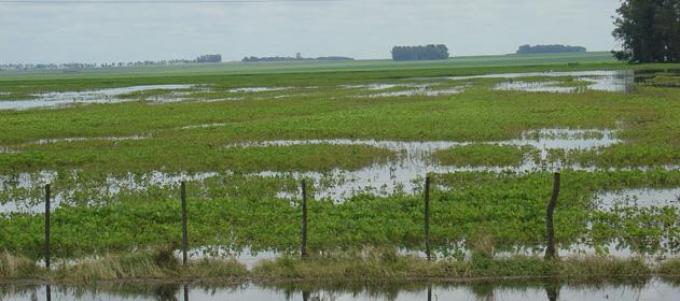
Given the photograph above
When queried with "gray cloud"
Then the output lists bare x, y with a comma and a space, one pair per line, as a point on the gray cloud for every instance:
358, 28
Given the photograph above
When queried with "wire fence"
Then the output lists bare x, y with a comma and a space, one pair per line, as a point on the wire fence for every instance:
550, 234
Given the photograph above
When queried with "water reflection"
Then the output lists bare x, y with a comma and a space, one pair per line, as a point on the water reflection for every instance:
634, 289
112, 95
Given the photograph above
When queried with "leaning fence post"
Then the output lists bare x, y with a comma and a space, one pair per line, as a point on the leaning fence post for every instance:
551, 252
303, 250
185, 240
47, 227
427, 218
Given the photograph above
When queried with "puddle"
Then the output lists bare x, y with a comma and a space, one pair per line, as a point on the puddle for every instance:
640, 198
7, 150
258, 89
552, 87
420, 91
204, 126
608, 81
414, 162
111, 186
372, 87
79, 139
112, 95
245, 256
654, 289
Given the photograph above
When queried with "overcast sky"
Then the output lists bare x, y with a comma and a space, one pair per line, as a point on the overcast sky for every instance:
365, 29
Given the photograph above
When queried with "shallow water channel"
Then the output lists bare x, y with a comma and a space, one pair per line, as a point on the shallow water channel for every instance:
652, 290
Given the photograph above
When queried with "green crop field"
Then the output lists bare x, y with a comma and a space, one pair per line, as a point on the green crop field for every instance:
364, 134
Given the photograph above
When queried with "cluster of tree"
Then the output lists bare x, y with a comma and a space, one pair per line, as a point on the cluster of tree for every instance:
298, 57
649, 30
209, 58
528, 49
415, 53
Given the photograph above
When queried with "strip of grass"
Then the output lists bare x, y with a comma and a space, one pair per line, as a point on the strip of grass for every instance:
371, 268
485, 155
388, 267
173, 155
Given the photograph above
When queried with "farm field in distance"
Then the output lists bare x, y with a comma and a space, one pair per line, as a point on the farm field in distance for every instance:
489, 131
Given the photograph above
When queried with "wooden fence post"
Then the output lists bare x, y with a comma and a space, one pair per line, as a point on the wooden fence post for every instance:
48, 252
185, 239
427, 218
303, 250
551, 251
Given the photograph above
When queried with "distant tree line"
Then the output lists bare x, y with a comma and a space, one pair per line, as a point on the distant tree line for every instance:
649, 31
209, 58
416, 53
252, 59
557, 48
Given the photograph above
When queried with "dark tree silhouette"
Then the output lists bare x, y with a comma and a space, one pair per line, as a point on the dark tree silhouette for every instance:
209, 58
416, 53
528, 49
649, 30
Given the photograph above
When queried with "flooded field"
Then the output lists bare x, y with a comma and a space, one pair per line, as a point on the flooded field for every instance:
609, 81
363, 142
414, 161
59, 99
651, 290
640, 198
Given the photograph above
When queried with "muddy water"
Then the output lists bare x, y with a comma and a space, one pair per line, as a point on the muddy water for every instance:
651, 290
55, 99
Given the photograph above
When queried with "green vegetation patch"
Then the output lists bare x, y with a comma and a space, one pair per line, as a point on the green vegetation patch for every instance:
175, 154
485, 212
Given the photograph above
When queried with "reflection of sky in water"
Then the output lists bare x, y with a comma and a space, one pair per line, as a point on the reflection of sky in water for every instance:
641, 198
608, 81
54, 99
415, 160
654, 290
403, 174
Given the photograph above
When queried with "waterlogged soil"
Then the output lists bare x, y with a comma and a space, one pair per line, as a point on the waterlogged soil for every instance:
610, 81
403, 174
415, 161
652, 290
112, 95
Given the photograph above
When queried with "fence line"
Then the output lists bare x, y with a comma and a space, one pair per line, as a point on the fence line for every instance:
48, 254
185, 239
549, 222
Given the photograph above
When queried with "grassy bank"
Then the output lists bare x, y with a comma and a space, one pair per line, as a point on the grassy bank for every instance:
367, 268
